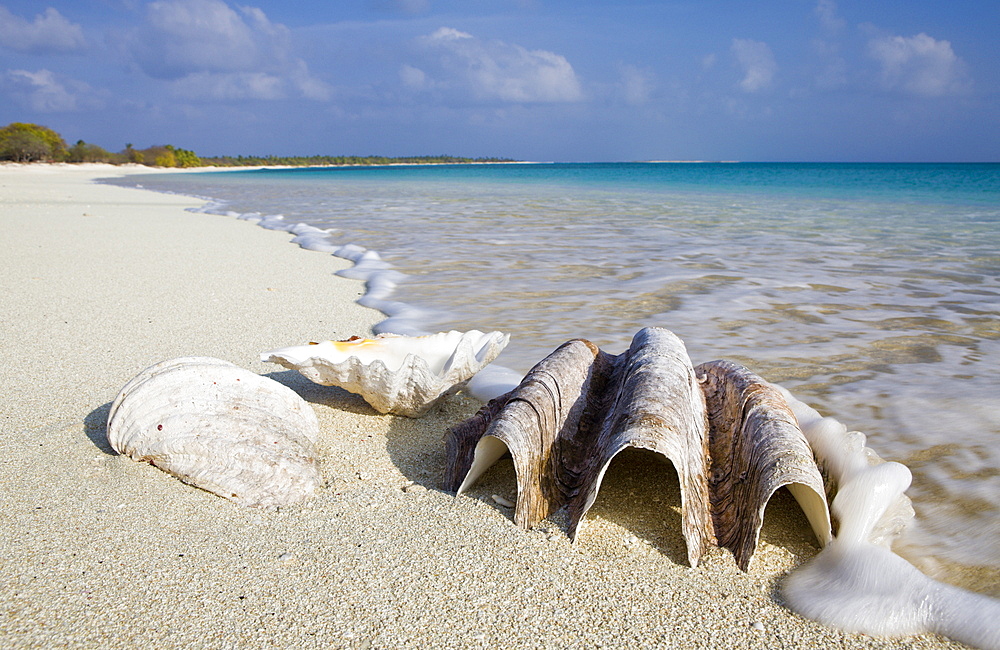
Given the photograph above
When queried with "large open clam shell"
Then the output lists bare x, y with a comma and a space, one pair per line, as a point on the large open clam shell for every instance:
401, 375
727, 432
221, 428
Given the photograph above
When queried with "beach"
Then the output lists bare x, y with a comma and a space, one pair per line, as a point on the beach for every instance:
100, 282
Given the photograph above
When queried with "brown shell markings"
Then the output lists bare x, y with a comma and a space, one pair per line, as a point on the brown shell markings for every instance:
720, 426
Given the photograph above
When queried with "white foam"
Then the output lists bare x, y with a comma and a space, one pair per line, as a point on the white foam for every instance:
368, 265
275, 222
316, 242
307, 229
493, 381
857, 583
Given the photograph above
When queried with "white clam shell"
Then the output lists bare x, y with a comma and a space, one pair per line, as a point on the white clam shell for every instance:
401, 375
221, 428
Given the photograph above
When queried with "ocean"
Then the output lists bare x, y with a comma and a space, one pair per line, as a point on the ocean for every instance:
870, 291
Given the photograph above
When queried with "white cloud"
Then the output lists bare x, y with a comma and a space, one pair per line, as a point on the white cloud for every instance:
497, 70
230, 86
45, 92
827, 12
412, 77
756, 61
637, 85
234, 86
919, 65
448, 34
211, 51
307, 85
184, 37
50, 32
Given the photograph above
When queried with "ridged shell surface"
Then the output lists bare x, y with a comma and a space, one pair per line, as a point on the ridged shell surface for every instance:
401, 375
730, 436
221, 428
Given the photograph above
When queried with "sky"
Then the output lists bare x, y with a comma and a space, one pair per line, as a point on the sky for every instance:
544, 80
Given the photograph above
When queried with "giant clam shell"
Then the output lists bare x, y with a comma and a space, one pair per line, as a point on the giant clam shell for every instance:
221, 428
401, 375
728, 433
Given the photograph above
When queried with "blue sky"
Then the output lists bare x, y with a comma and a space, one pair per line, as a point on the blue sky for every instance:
822, 80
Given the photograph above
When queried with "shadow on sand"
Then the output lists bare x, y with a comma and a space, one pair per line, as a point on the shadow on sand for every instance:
95, 425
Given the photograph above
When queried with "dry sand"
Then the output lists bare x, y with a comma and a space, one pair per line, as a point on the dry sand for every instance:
96, 550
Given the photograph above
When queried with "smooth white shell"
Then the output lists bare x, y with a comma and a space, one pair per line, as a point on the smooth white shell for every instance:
402, 375
221, 428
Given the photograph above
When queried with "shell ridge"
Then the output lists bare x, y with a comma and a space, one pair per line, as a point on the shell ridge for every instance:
730, 436
410, 390
219, 427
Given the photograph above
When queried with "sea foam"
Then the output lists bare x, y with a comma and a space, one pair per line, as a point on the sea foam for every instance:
857, 583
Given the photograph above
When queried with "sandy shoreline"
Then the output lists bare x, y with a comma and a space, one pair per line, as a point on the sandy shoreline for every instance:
101, 281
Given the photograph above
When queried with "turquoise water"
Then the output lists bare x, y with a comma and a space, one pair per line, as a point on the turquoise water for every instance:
872, 292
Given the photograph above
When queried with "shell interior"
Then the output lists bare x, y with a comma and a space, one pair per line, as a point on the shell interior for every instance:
401, 375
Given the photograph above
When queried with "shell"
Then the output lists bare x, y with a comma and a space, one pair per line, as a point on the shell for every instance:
401, 375
579, 407
756, 447
221, 428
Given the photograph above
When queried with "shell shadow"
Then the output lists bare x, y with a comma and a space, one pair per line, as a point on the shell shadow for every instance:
331, 396
641, 494
95, 425
416, 445
785, 526
501, 479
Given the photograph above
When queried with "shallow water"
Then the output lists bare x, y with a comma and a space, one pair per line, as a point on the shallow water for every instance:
872, 292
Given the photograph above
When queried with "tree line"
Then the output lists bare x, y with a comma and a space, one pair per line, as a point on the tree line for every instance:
317, 161
25, 143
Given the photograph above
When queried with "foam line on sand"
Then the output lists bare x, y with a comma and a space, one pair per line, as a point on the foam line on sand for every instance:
96, 550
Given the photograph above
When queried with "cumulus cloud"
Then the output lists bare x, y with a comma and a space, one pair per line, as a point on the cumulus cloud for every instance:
757, 63
184, 37
45, 92
208, 49
919, 65
496, 70
49, 33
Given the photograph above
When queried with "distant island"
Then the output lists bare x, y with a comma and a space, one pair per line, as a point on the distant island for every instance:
25, 143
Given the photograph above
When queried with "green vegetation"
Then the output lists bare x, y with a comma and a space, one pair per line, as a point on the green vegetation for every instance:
163, 156
83, 152
319, 161
21, 142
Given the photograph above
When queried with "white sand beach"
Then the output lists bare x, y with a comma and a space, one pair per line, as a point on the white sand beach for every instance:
96, 550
